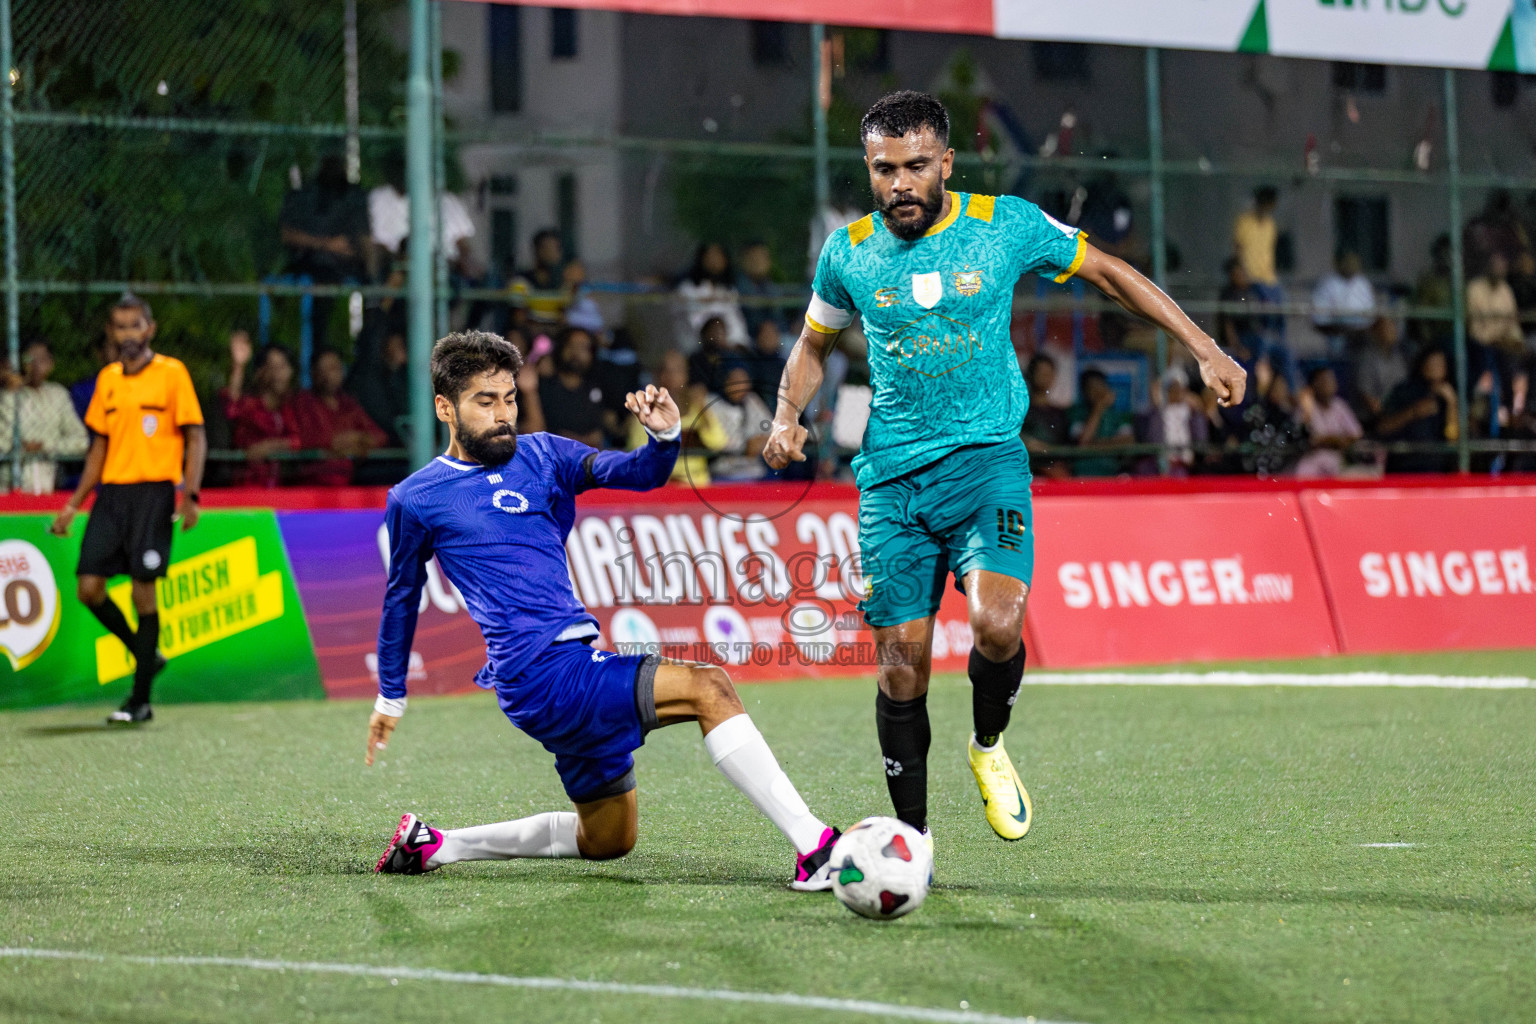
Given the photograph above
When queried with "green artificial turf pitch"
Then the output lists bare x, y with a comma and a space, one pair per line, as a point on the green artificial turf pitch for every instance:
1198, 855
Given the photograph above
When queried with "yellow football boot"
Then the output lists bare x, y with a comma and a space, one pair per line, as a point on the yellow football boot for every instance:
1008, 808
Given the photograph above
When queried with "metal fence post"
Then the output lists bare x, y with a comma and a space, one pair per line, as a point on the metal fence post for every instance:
1155, 159
819, 117
418, 151
439, 170
12, 296
1458, 270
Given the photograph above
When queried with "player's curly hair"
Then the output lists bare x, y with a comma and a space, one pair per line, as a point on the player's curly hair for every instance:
895, 114
463, 354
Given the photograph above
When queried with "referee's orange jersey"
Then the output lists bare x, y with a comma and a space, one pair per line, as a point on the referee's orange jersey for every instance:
141, 416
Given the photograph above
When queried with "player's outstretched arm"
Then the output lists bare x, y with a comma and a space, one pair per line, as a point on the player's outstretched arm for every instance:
1135, 294
410, 548
803, 372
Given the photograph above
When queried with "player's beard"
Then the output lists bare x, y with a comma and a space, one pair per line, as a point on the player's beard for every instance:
911, 231
492, 448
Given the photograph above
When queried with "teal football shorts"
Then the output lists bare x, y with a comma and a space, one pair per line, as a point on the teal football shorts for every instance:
969, 510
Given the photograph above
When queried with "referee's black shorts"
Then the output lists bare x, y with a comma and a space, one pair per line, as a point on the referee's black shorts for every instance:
129, 531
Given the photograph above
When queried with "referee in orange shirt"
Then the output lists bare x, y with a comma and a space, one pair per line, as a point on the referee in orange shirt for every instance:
145, 424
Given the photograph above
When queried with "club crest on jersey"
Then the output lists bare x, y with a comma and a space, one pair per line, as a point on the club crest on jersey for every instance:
927, 289
968, 282
510, 501
885, 297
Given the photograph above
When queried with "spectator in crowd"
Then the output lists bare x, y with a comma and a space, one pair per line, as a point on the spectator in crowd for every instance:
380, 376
328, 419
1331, 425
1177, 422
389, 225
1496, 230
1434, 290
702, 433
756, 282
325, 229
49, 428
1270, 438
766, 361
1343, 304
1095, 422
708, 291
707, 364
1045, 424
1379, 367
1522, 424
572, 401
546, 290
1239, 333
1254, 237
746, 421
105, 351
1421, 409
261, 418
1493, 324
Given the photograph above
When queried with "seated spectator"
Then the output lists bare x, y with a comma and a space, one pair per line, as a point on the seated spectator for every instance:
331, 420
1421, 409
756, 282
572, 400
380, 376
707, 365
1522, 424
746, 421
1379, 367
49, 428
1178, 421
1094, 422
1493, 325
261, 419
702, 433
766, 361
105, 351
545, 291
1331, 425
1343, 304
706, 292
616, 373
1045, 424
324, 226
1270, 438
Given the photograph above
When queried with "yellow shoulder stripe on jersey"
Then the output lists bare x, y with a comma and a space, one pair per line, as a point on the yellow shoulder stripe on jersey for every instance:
857, 232
820, 328
981, 207
1077, 261
954, 212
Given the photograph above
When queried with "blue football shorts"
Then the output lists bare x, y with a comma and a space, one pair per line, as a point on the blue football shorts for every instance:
591, 709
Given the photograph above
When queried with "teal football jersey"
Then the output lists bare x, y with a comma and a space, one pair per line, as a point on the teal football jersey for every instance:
936, 312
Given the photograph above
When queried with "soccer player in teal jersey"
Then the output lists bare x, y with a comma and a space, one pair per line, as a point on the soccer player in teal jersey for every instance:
943, 476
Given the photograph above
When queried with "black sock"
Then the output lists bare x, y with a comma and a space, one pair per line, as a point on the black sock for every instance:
994, 688
111, 616
146, 644
904, 739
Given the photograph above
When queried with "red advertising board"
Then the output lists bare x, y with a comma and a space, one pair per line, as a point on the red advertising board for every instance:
1428, 570
1161, 579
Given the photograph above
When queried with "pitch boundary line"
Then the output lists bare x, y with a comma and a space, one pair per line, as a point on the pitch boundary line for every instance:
1282, 679
393, 974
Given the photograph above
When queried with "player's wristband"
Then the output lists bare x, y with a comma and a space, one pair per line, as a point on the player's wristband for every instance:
394, 707
672, 433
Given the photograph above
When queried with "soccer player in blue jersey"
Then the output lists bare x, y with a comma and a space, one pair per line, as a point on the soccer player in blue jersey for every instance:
496, 510
943, 477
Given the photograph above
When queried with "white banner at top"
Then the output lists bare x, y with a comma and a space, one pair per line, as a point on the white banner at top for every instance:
1180, 24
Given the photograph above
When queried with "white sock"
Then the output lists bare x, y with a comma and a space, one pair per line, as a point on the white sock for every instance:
543, 835
985, 750
742, 755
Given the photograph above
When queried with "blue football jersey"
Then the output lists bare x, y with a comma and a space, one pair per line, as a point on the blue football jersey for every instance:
499, 534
